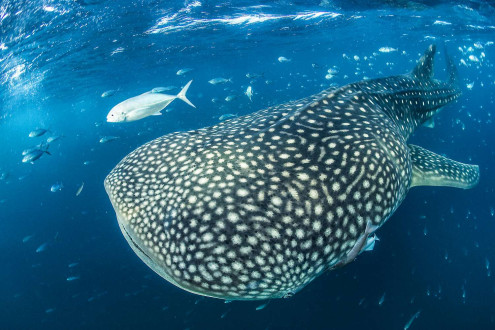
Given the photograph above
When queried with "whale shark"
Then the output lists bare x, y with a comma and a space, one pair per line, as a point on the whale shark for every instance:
258, 206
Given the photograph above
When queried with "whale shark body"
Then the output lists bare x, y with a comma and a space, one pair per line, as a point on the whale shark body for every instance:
258, 206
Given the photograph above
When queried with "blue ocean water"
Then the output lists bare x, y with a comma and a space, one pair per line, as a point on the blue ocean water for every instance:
64, 262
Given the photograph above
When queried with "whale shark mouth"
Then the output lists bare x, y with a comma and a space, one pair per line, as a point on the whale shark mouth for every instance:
134, 244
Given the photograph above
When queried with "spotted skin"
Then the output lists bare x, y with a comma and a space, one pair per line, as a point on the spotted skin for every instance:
258, 206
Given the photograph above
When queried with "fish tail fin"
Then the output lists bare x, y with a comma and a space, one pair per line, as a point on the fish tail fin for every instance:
182, 94
46, 149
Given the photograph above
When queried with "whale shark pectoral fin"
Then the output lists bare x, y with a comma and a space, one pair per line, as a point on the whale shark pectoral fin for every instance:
430, 169
424, 68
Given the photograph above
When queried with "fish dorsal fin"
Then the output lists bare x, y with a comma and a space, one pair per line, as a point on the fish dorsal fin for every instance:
424, 68
430, 169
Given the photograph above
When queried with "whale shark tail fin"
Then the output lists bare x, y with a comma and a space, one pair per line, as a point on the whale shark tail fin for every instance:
424, 68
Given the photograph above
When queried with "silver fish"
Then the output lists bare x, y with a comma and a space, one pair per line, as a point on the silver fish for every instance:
249, 93
182, 72
53, 138
80, 189
57, 187
42, 247
38, 132
230, 98
106, 139
108, 93
216, 81
227, 116
144, 105
36, 154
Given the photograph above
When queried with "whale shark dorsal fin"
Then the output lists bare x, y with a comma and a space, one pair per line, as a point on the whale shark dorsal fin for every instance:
451, 70
424, 68
430, 169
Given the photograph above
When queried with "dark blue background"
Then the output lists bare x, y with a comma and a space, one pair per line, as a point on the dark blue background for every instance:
56, 62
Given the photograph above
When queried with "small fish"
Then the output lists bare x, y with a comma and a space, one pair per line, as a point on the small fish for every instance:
27, 238
329, 76
30, 150
88, 162
370, 243
72, 278
57, 187
37, 132
182, 72
415, 316
382, 299
162, 89
478, 45
53, 138
282, 59
50, 310
230, 98
474, 58
249, 93
74, 264
108, 93
470, 85
226, 116
106, 139
260, 307
216, 81
333, 71
254, 75
35, 155
42, 247
387, 49
80, 189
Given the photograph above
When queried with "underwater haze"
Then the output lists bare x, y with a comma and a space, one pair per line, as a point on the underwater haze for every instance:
64, 64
